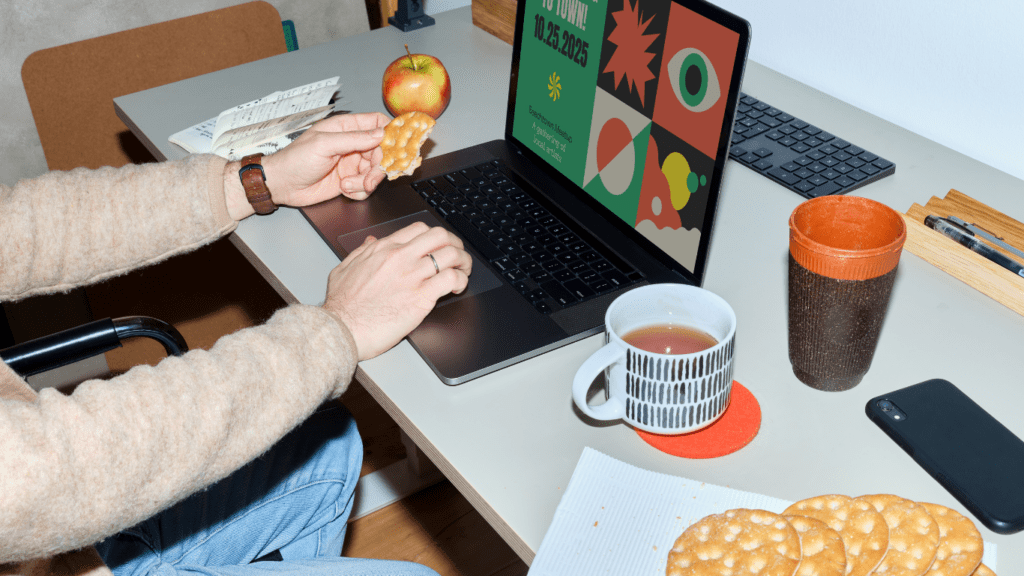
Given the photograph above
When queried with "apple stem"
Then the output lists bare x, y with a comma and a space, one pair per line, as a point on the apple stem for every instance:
410, 58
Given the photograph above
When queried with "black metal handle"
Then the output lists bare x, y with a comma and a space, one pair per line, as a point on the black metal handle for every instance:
87, 340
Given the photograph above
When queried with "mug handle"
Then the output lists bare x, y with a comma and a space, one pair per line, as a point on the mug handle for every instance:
612, 409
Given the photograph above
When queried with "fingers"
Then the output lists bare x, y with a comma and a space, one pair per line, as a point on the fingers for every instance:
367, 121
452, 257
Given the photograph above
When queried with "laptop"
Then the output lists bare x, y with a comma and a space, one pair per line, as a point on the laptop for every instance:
617, 131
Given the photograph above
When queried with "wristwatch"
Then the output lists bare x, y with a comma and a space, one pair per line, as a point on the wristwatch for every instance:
255, 183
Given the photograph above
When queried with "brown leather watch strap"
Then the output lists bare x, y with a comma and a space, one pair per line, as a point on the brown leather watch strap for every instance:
255, 183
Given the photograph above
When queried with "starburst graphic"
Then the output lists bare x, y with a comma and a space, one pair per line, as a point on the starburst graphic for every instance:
554, 86
630, 59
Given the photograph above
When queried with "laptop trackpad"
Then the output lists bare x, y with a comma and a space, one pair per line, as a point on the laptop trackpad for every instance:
480, 281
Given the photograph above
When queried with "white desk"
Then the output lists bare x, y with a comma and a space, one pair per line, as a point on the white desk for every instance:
509, 441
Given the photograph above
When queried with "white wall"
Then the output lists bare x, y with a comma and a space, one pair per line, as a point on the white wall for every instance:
950, 71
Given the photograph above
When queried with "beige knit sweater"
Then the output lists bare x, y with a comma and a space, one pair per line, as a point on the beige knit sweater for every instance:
76, 469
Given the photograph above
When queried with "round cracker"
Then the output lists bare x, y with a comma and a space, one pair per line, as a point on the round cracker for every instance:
913, 536
741, 541
864, 531
983, 570
960, 544
821, 548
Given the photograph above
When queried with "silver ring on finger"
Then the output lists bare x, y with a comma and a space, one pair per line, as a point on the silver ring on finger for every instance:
437, 269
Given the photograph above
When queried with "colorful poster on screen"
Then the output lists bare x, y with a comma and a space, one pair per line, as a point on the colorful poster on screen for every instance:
626, 98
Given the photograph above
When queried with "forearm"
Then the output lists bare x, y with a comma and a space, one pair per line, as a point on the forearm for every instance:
67, 229
76, 469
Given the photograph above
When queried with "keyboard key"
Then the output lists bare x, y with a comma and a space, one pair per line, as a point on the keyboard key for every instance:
868, 157
844, 181
804, 187
817, 167
856, 175
578, 289
826, 189
869, 169
790, 166
824, 136
812, 130
784, 176
803, 161
816, 155
601, 265
800, 147
787, 141
762, 164
804, 173
817, 180
842, 168
750, 158
616, 278
763, 152
882, 164
558, 293
840, 143
563, 275
854, 150
830, 174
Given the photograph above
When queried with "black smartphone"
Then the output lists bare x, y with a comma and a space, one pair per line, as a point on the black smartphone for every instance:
977, 459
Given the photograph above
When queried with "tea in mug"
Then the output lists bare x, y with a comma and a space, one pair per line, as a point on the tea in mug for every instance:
670, 339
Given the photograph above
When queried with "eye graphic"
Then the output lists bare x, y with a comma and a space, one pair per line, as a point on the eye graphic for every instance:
693, 79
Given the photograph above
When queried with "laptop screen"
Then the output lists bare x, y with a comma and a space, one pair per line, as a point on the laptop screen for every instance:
632, 101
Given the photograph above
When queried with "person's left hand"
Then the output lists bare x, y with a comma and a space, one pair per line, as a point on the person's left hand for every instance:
337, 155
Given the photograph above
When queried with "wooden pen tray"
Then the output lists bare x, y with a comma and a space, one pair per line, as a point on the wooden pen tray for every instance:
974, 269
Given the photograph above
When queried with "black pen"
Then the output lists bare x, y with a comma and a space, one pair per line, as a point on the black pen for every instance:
966, 238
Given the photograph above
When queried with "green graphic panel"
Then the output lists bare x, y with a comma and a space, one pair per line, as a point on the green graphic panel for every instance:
557, 80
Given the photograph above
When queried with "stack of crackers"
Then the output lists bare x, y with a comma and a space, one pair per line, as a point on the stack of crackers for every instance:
833, 535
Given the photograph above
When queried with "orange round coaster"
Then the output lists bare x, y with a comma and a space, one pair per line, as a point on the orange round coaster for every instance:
734, 430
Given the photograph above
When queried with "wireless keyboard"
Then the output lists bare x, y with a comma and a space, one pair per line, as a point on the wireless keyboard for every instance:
801, 157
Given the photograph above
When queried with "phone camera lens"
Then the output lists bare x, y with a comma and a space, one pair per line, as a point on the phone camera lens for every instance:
885, 406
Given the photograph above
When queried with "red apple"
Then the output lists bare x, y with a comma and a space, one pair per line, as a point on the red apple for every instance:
416, 82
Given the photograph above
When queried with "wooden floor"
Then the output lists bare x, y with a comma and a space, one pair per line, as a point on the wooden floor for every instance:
436, 527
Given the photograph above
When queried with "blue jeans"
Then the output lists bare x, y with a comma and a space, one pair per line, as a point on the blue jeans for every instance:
294, 500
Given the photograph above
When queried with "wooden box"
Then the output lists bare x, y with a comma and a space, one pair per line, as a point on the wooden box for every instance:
496, 16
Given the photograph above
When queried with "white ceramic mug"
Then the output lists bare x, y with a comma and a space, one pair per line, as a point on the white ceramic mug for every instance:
662, 393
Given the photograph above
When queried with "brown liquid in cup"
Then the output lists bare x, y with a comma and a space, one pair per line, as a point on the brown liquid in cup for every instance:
670, 339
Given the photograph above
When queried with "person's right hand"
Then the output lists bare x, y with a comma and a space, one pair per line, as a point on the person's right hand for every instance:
386, 287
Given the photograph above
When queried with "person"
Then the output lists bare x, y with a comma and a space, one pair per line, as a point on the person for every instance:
221, 460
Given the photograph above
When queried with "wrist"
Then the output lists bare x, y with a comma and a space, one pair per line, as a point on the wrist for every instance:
234, 194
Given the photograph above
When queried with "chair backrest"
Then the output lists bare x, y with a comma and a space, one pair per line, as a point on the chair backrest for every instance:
71, 88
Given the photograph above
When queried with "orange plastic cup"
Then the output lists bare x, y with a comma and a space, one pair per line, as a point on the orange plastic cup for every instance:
843, 251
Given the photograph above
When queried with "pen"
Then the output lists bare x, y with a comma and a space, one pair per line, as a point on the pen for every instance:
966, 238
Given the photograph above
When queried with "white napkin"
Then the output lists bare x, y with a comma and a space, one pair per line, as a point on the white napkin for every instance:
615, 518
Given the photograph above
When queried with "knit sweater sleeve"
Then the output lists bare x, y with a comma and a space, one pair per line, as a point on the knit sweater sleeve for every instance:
67, 229
75, 469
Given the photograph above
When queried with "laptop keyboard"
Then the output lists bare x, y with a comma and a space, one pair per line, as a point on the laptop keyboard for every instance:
546, 260
801, 157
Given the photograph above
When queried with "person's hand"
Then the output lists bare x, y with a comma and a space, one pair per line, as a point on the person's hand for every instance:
338, 155
386, 287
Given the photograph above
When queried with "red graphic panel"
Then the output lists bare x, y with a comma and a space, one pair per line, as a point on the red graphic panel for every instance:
656, 194
687, 31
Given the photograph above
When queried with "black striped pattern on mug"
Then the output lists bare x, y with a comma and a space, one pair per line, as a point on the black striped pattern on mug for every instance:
678, 393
